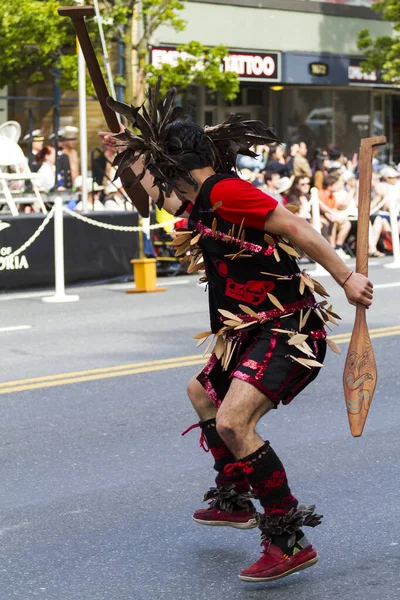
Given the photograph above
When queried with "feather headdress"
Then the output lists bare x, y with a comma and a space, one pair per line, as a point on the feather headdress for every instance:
163, 156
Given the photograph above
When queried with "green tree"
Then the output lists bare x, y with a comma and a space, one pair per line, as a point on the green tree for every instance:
35, 41
197, 65
383, 52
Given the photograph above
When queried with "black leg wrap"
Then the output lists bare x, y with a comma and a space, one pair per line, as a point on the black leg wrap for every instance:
227, 498
288, 524
222, 457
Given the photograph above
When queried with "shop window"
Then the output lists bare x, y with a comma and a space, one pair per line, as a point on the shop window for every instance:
255, 96
367, 3
352, 119
307, 115
209, 117
211, 98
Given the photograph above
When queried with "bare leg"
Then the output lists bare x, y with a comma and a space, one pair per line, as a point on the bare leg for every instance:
375, 231
343, 231
202, 403
332, 236
237, 417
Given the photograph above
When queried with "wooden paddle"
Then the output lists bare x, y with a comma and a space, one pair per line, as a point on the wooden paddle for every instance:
360, 373
77, 14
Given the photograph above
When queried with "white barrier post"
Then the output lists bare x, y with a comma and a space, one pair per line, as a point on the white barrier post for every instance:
394, 211
60, 295
319, 270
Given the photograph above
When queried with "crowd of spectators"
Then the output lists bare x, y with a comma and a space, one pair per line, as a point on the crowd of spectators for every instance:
56, 165
288, 174
285, 173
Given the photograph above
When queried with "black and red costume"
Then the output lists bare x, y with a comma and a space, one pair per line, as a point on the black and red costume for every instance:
259, 353
259, 301
267, 328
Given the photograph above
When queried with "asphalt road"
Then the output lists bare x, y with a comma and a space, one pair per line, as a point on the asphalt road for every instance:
98, 486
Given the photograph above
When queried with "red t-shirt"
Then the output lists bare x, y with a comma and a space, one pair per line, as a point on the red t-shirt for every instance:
241, 199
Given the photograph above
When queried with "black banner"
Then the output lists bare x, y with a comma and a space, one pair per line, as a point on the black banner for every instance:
91, 253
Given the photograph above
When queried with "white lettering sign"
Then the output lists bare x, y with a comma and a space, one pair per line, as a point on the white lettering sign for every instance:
12, 263
245, 64
356, 74
250, 65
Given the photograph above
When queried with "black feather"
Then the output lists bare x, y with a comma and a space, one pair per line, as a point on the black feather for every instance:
234, 136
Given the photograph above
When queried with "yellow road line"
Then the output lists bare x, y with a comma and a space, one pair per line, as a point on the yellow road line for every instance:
46, 384
102, 370
144, 367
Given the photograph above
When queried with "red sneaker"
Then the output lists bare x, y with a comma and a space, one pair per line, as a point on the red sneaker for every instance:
239, 519
227, 508
274, 564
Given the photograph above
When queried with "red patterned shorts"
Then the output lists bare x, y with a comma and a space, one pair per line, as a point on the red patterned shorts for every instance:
263, 360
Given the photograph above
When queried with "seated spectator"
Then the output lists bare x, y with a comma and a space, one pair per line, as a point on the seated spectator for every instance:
335, 225
94, 192
272, 183
277, 164
115, 198
390, 186
301, 166
336, 159
299, 195
348, 197
257, 163
285, 185
320, 169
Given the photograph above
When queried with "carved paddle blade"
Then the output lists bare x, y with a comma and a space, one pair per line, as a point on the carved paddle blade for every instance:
360, 375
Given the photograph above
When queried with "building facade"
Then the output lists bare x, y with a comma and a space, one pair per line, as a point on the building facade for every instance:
299, 68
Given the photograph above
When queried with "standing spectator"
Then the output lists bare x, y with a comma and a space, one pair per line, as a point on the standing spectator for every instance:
67, 157
277, 164
46, 159
299, 195
66, 144
301, 166
335, 225
294, 148
35, 143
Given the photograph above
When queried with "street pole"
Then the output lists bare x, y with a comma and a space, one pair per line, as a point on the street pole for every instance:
60, 296
319, 270
82, 125
105, 52
394, 212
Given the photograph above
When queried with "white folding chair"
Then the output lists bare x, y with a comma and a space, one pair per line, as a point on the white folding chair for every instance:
11, 130
13, 158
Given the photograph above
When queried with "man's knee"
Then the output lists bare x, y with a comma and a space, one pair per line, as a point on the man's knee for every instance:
229, 426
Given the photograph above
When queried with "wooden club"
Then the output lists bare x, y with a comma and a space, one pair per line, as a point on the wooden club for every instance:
77, 14
360, 372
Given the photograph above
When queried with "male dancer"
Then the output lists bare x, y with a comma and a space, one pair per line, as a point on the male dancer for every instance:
268, 327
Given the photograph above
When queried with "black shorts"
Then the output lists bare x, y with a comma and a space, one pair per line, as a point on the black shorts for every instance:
264, 360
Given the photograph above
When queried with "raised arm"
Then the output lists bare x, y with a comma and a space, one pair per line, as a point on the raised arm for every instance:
282, 222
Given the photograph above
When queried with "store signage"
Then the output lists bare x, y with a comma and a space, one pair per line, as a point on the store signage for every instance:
250, 66
318, 69
356, 75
